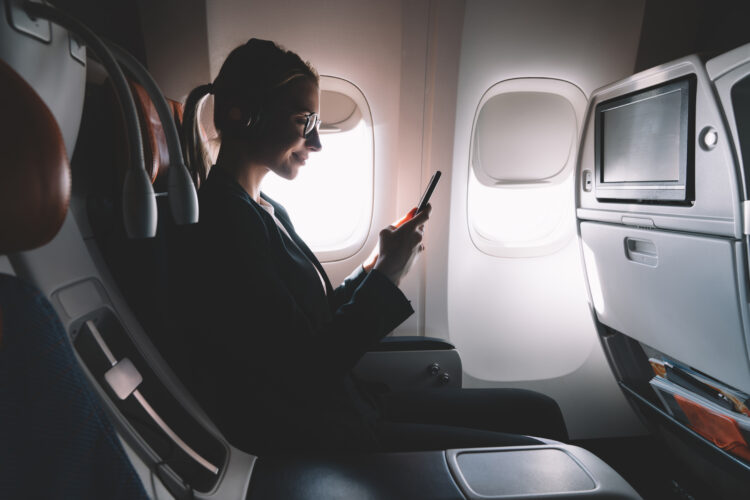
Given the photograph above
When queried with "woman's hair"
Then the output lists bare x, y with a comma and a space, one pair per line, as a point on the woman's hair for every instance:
248, 80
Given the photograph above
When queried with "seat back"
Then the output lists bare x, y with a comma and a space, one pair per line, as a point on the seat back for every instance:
145, 270
113, 293
56, 440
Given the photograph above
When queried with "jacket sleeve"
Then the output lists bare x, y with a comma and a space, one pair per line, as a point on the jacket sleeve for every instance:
344, 292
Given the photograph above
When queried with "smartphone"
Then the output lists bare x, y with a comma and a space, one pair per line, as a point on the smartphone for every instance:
428, 192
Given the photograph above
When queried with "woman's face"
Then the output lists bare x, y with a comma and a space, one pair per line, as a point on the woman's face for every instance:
284, 149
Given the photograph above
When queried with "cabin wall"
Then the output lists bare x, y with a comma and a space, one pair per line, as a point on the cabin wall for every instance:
411, 167
706, 27
117, 21
526, 322
439, 87
176, 41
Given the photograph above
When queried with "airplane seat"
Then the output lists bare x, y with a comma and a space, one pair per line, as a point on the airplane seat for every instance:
56, 439
172, 444
165, 428
662, 208
144, 268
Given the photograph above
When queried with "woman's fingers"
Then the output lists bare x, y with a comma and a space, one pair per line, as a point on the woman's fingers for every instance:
418, 219
421, 217
405, 218
412, 215
413, 229
400, 244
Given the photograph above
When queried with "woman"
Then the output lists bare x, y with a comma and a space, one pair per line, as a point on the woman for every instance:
276, 342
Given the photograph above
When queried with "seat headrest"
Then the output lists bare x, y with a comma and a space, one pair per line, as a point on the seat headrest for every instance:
151, 129
155, 148
34, 170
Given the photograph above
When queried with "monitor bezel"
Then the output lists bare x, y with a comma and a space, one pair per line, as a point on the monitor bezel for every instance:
677, 191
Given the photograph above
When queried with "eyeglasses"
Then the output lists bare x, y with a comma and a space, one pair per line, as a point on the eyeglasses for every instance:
312, 121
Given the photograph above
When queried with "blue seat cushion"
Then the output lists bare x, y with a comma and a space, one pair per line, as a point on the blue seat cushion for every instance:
55, 439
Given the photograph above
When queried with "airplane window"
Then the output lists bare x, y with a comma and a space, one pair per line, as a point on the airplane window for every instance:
330, 201
521, 221
520, 187
523, 137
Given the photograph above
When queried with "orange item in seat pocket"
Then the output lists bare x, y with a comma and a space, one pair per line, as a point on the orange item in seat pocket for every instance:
658, 366
719, 429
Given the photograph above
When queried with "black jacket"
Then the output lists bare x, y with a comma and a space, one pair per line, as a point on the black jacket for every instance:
272, 353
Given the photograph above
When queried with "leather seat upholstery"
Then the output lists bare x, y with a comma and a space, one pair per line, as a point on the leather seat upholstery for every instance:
35, 182
155, 151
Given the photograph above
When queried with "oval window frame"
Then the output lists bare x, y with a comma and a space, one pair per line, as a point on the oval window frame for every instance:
578, 101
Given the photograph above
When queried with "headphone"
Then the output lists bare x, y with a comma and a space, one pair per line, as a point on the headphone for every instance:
243, 117
240, 119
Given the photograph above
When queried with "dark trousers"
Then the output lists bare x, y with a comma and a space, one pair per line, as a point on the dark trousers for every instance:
438, 419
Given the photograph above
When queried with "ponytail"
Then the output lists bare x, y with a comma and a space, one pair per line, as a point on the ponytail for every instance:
197, 157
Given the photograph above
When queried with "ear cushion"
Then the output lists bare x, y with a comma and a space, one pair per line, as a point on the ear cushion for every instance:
239, 122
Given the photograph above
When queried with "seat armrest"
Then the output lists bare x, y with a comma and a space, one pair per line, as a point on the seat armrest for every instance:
553, 470
412, 343
411, 363
381, 476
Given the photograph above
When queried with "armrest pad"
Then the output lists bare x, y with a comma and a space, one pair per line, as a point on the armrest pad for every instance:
380, 476
412, 343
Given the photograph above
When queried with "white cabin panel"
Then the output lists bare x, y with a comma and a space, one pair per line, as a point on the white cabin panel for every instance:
525, 321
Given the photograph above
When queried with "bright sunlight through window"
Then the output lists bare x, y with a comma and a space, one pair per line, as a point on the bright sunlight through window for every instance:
521, 221
330, 201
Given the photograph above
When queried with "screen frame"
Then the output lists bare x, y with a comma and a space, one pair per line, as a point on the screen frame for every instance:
677, 191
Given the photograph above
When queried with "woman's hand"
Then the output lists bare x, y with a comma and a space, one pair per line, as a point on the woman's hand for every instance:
369, 263
399, 245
